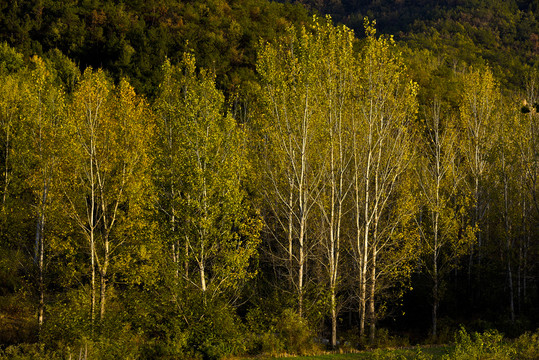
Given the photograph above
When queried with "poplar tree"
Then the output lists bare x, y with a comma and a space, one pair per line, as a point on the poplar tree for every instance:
294, 152
43, 118
440, 177
337, 83
479, 118
214, 229
107, 166
387, 103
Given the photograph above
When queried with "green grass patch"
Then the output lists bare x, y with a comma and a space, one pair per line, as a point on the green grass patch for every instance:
490, 345
426, 352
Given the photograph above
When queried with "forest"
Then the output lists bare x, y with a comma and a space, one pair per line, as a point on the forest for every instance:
204, 179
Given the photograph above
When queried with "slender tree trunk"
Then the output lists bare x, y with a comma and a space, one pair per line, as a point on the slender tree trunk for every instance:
435, 290
92, 281
363, 281
290, 229
92, 222
41, 308
508, 241
176, 243
102, 295
40, 254
365, 249
301, 269
372, 310
186, 263
479, 237
435, 297
104, 274
202, 269
333, 318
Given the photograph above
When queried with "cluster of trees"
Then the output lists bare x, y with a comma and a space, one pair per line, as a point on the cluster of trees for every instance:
131, 38
111, 194
188, 222
505, 33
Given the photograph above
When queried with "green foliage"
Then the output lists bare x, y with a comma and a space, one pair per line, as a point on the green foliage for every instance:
67, 72
294, 332
68, 319
492, 345
489, 345
29, 352
10, 60
163, 203
384, 340
131, 39
218, 333
527, 346
274, 334
501, 33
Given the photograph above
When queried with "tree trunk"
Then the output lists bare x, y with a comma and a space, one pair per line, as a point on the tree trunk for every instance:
333, 319
40, 254
364, 262
508, 242
102, 296
104, 273
202, 272
41, 308
435, 289
372, 312
6, 170
435, 302
301, 269
92, 285
363, 283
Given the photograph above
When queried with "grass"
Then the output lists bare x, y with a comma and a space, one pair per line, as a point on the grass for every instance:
424, 352
490, 345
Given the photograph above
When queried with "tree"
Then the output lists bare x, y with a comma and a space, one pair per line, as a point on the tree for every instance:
108, 161
440, 174
479, 119
43, 115
9, 118
294, 151
337, 82
386, 104
202, 190
526, 142
507, 164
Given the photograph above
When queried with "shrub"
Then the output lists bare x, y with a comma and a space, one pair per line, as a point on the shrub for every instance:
527, 346
294, 333
384, 340
488, 345
29, 352
217, 332
266, 342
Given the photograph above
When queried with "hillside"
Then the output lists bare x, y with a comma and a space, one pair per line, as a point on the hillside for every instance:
132, 38
504, 34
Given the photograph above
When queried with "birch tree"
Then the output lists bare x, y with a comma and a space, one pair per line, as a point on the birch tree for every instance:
528, 147
10, 103
479, 120
338, 84
383, 151
293, 154
206, 200
507, 165
440, 175
43, 116
109, 151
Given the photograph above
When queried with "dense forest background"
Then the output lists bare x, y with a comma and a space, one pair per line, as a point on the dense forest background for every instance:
225, 177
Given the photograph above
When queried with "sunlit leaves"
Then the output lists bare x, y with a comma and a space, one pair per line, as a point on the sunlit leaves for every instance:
201, 194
